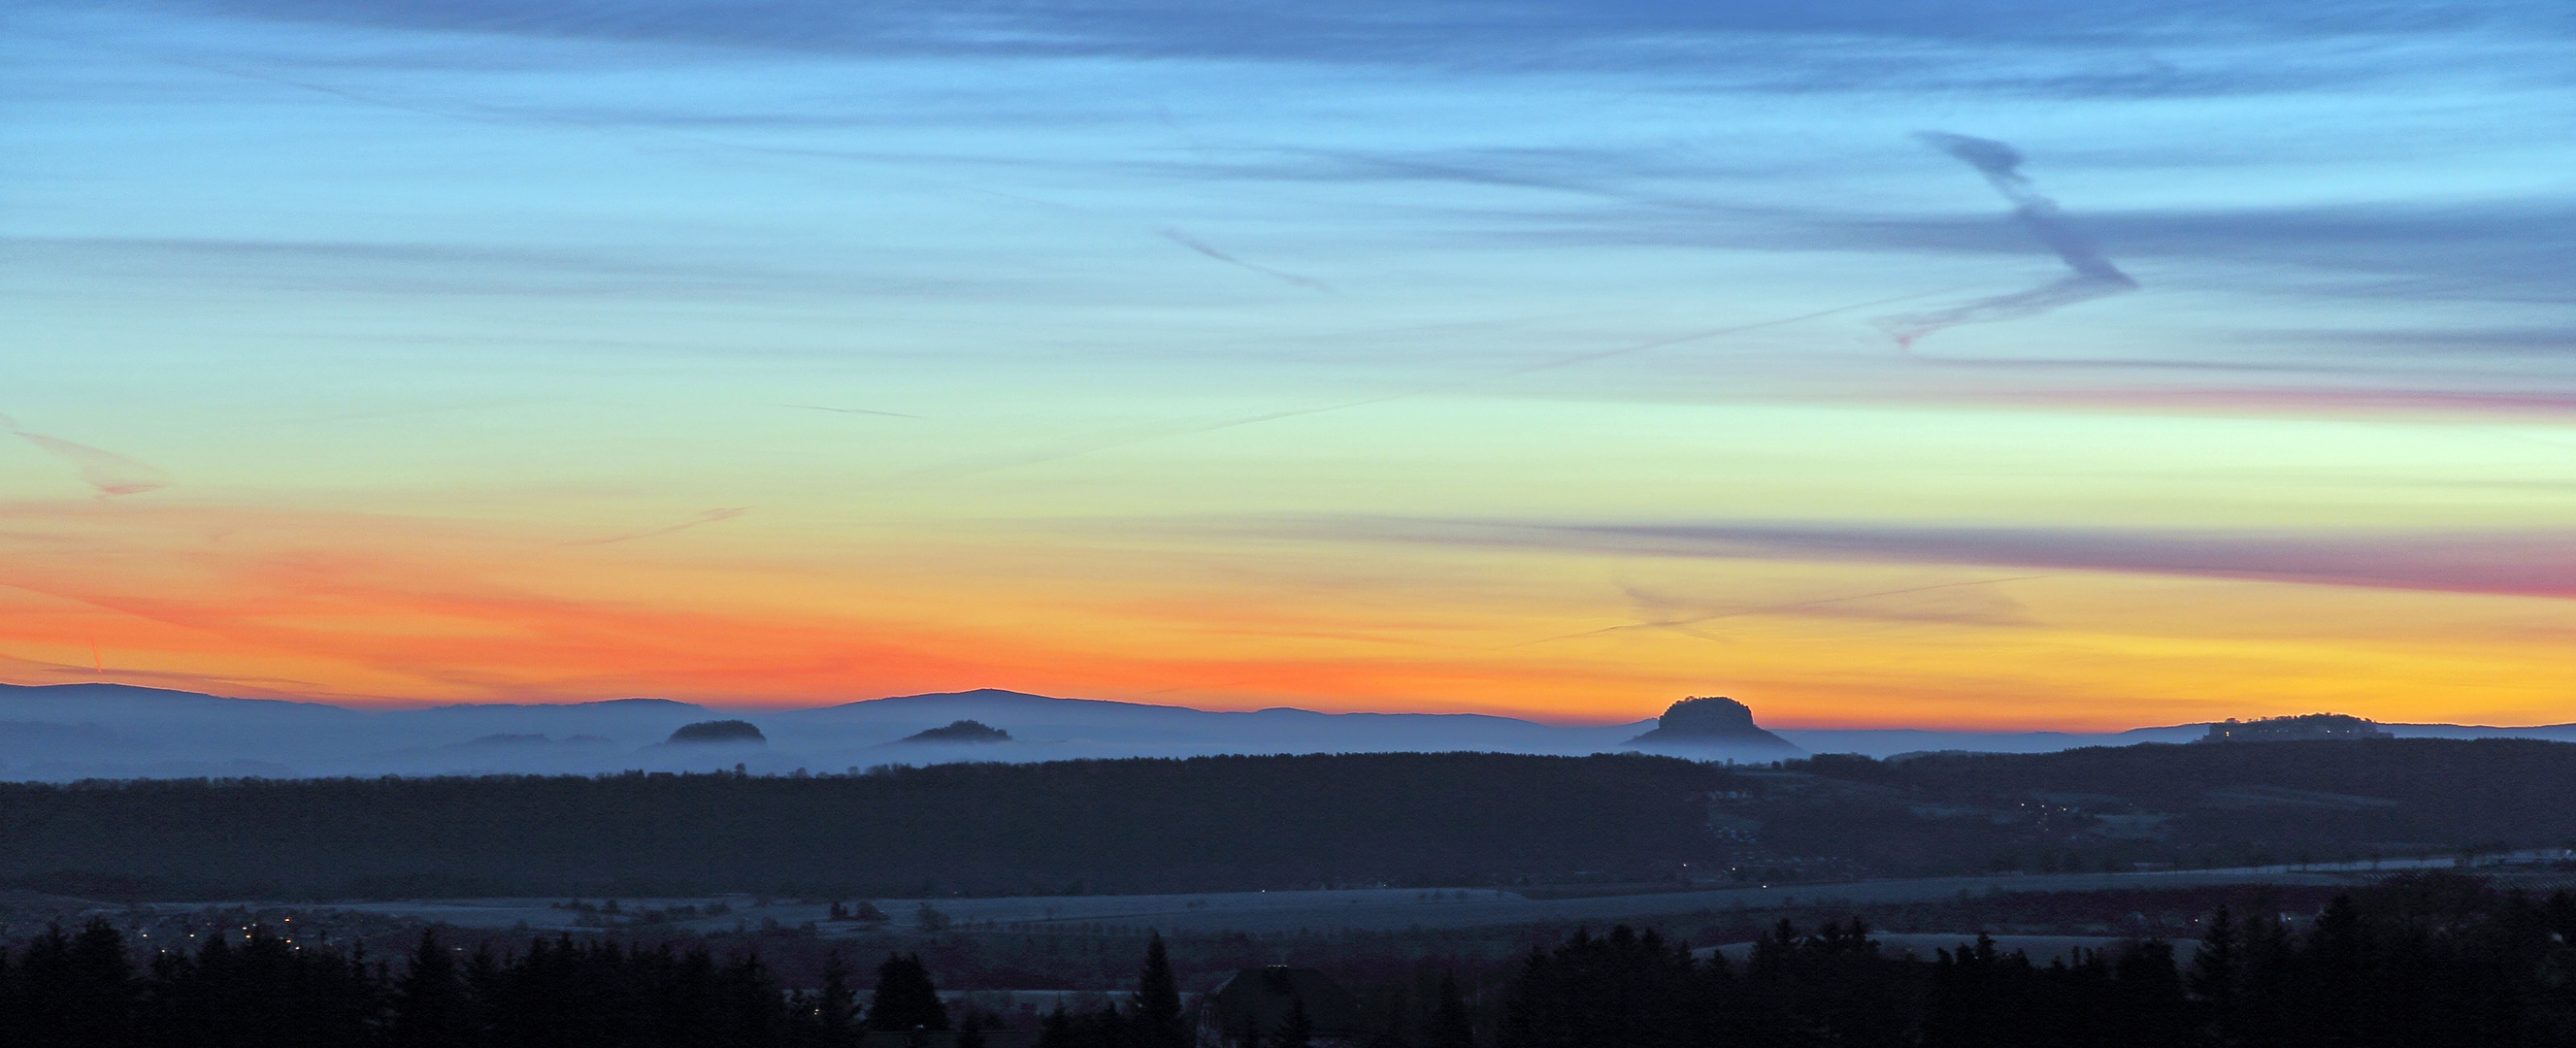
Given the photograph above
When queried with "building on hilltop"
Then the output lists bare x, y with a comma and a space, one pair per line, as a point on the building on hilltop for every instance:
1260, 1006
2308, 727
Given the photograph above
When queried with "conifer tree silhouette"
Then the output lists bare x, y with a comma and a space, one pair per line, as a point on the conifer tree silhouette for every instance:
1450, 1025
904, 998
1157, 1007
836, 1006
1298, 1029
431, 1006
1056, 1030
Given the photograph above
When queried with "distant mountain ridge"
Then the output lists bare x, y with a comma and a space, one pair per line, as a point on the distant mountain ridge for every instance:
70, 731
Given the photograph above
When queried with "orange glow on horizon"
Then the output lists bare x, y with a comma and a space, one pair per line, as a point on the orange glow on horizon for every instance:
363, 610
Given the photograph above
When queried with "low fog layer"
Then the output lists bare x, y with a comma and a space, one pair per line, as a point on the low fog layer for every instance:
78, 731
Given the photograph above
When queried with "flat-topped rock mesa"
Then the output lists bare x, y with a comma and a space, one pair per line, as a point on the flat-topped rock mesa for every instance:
718, 731
1710, 722
967, 731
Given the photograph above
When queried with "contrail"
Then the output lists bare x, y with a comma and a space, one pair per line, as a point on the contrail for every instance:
2093, 276
708, 517
1683, 625
849, 411
1085, 445
1194, 244
110, 473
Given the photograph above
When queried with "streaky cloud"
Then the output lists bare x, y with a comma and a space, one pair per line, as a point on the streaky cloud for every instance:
109, 473
1200, 246
708, 517
1124, 436
2273, 400
850, 411
2530, 562
2094, 276
1547, 35
1815, 606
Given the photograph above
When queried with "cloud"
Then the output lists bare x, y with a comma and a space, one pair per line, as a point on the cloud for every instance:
708, 517
850, 411
382, 604
2094, 276
204, 682
2494, 250
2508, 343
108, 472
1192, 243
1684, 615
2525, 562
1124, 436
446, 270
2272, 400
1559, 34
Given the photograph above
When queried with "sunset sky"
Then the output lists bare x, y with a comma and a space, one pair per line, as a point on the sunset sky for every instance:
2056, 365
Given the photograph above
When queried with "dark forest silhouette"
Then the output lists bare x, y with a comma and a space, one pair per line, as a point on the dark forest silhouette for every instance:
2419, 962
1212, 823
1238, 823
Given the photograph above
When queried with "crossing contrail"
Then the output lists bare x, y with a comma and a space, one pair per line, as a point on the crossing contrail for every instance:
2093, 276
109, 473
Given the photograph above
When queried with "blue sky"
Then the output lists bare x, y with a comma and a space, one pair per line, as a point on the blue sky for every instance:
1229, 304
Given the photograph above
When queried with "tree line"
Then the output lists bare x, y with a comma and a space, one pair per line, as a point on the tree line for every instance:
2444, 792
2424, 962
2204, 804
259, 989
1140, 825
1266, 822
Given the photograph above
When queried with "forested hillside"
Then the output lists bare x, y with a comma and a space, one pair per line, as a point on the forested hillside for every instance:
1125, 825
1235, 823
2108, 808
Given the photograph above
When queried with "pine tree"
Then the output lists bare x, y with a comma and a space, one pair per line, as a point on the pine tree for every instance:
2338, 972
2213, 969
431, 1009
904, 998
75, 990
1450, 1025
836, 1007
8, 1002
1056, 1030
1157, 1004
1298, 1029
748, 1004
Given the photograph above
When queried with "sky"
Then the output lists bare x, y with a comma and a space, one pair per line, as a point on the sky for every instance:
1999, 365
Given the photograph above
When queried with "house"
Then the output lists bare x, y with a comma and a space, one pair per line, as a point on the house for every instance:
1255, 1006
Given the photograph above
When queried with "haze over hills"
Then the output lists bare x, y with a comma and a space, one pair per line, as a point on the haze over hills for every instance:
74, 731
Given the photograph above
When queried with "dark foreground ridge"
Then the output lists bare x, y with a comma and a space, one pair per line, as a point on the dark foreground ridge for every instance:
2422, 962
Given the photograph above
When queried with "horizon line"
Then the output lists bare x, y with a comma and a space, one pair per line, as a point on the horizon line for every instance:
369, 706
